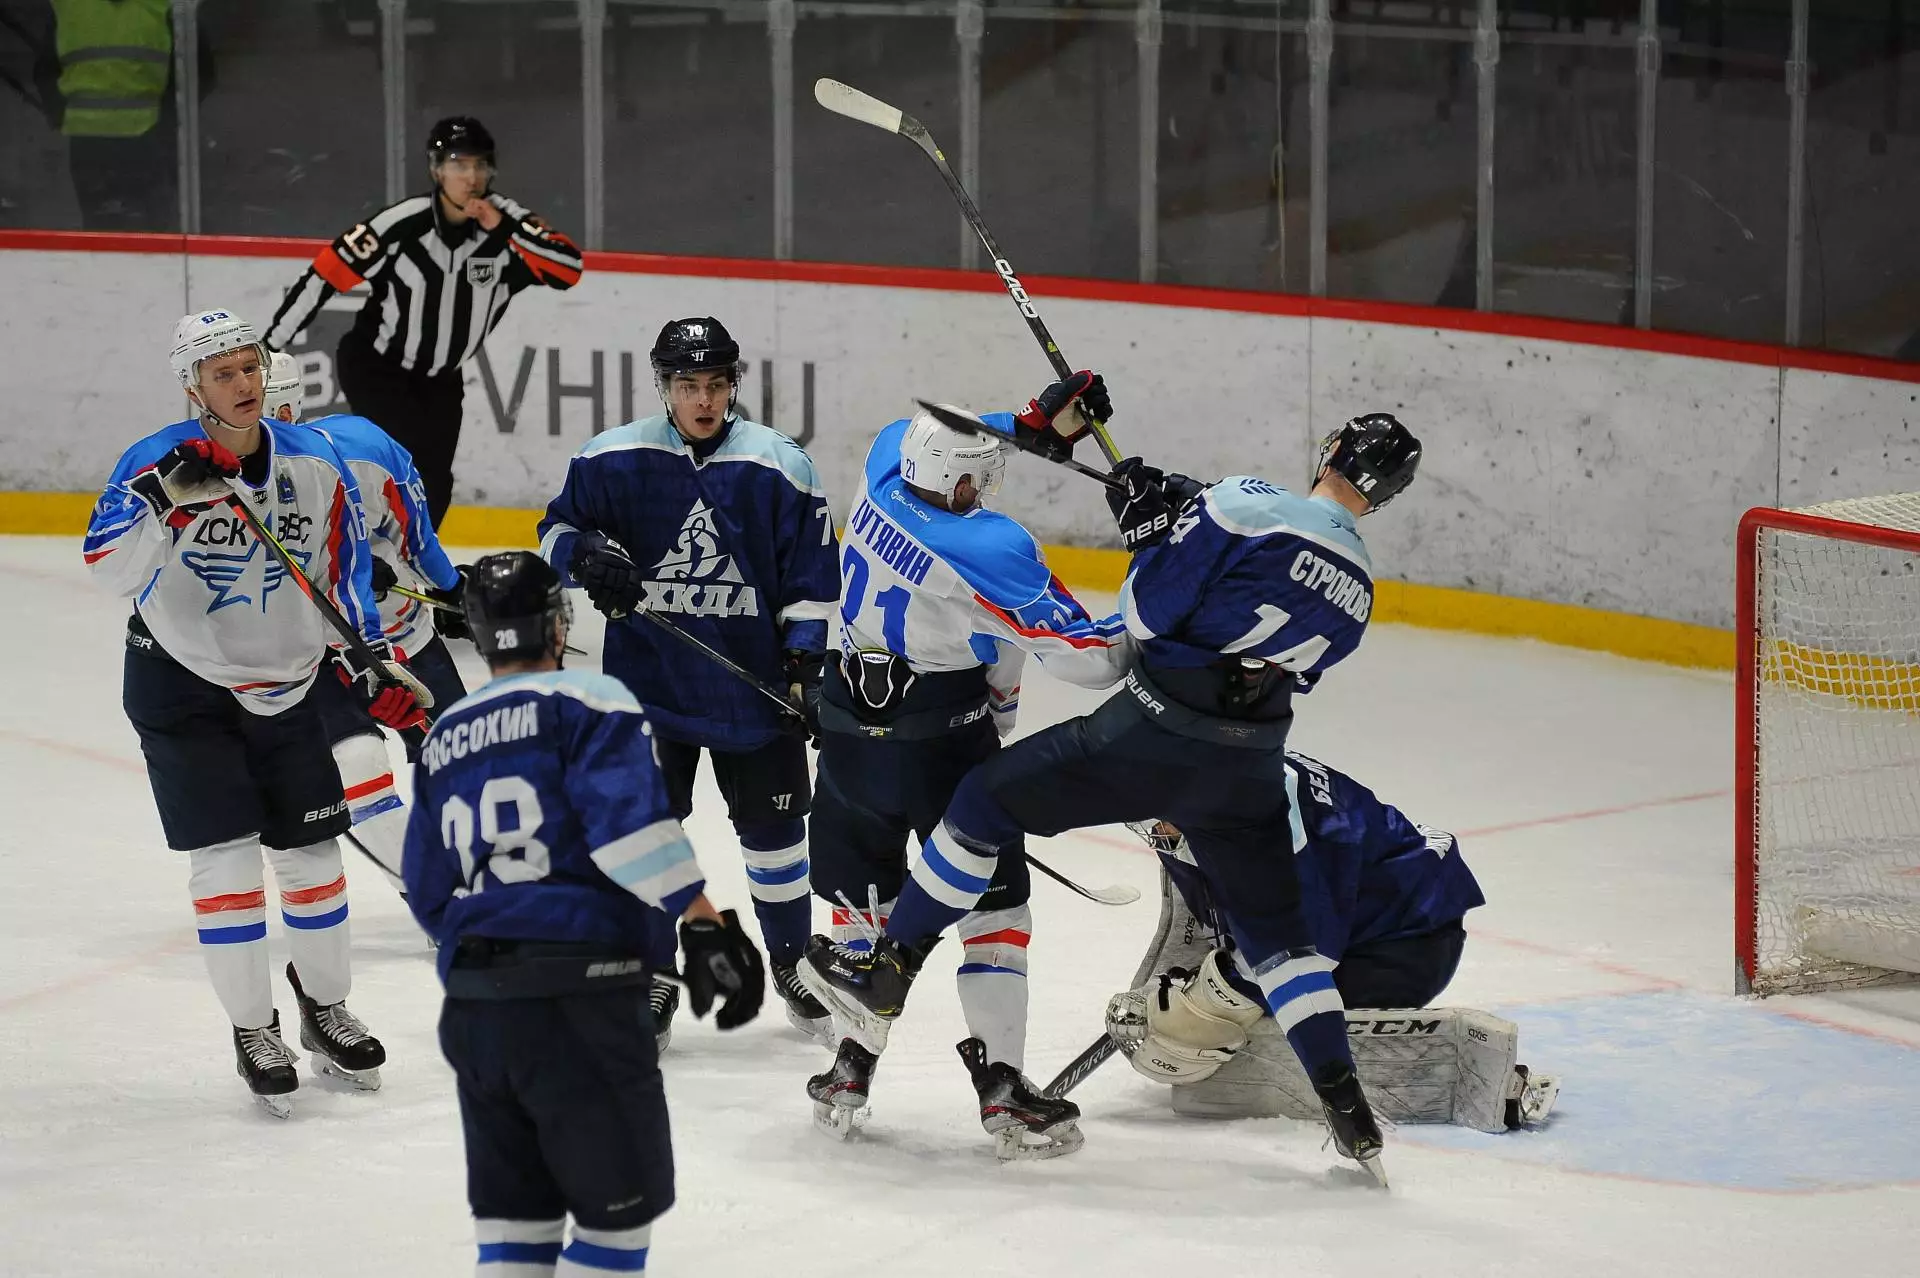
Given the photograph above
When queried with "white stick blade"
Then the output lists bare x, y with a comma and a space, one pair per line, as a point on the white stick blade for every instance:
844, 99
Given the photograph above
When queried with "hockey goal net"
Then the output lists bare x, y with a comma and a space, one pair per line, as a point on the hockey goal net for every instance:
1827, 737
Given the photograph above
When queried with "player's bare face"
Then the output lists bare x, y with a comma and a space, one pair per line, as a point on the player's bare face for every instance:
462, 178
699, 403
233, 387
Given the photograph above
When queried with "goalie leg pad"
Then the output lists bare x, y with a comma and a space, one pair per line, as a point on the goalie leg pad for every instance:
1194, 1027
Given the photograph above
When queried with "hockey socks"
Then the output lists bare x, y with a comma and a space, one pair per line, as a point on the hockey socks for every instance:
230, 912
945, 884
1297, 987
776, 854
313, 905
993, 981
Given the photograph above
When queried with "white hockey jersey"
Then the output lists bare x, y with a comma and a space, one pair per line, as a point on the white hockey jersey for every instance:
954, 592
214, 598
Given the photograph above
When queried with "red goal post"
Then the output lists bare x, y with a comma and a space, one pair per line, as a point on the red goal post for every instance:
1827, 746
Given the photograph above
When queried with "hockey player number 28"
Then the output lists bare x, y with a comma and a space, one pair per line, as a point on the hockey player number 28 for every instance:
892, 602
457, 831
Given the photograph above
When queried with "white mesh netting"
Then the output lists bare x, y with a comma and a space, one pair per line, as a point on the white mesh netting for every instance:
1837, 776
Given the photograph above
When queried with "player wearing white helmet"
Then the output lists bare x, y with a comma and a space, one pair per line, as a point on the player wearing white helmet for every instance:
394, 504
942, 599
222, 653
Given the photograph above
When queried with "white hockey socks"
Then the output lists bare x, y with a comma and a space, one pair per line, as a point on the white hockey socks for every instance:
230, 911
366, 774
313, 905
518, 1248
993, 981
854, 928
594, 1253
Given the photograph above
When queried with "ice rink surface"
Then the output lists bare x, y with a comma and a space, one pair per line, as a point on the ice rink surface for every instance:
1696, 1134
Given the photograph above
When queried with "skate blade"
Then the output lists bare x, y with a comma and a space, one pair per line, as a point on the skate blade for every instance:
839, 1121
847, 1019
817, 1028
365, 1080
278, 1106
1377, 1168
1023, 1144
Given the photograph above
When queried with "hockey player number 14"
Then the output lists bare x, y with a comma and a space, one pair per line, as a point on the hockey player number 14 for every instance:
514, 856
1272, 618
892, 602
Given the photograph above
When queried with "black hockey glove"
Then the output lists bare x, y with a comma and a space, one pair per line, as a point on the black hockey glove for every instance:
451, 622
803, 672
1035, 428
384, 578
186, 481
721, 961
602, 566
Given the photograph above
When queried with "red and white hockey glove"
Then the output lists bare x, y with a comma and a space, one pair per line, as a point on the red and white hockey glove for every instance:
1053, 421
394, 696
186, 481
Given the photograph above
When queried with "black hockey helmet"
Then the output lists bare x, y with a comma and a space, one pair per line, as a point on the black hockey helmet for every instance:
459, 135
1374, 453
515, 606
695, 346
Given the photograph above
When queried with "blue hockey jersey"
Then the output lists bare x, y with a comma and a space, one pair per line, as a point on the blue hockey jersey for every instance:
1366, 872
1252, 570
539, 814
398, 525
739, 549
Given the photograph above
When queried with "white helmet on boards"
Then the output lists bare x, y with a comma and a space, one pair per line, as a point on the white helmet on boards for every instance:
283, 386
200, 336
936, 457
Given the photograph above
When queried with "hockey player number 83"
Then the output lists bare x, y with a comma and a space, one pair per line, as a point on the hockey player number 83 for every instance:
514, 856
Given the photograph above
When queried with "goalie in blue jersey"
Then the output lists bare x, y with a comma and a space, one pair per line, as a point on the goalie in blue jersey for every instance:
718, 525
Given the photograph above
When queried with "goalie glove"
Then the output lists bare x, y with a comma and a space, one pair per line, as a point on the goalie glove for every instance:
1053, 421
1182, 1026
187, 480
394, 696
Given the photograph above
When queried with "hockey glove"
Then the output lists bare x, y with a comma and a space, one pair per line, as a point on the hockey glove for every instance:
803, 672
722, 962
394, 696
186, 481
451, 621
384, 578
1140, 509
607, 573
1040, 427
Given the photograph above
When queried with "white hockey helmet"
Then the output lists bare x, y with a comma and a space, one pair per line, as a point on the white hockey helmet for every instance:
204, 334
283, 385
937, 457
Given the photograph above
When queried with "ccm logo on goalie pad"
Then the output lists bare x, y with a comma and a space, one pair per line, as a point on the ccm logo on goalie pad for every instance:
1359, 1029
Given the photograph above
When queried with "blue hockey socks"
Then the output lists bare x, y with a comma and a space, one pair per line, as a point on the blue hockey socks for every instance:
776, 853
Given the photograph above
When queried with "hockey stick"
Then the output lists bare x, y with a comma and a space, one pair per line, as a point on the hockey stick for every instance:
720, 659
1118, 894
399, 883
444, 606
968, 424
846, 100
1081, 1067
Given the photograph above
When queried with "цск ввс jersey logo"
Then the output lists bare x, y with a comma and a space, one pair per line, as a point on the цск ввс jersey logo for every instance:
241, 579
697, 577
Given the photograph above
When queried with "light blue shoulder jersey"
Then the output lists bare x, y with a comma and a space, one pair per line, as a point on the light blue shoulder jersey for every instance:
953, 592
399, 526
1253, 570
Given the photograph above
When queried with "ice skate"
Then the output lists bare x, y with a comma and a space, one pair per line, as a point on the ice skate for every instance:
840, 1094
266, 1063
1350, 1120
1023, 1122
863, 990
664, 999
341, 1046
804, 1012
1530, 1097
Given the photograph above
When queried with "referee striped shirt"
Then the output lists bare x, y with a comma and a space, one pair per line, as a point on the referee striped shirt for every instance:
438, 287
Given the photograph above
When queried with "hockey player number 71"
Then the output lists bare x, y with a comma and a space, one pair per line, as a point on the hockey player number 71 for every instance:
456, 831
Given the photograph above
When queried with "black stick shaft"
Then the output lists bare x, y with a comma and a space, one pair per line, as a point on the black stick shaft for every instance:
352, 638
1081, 1067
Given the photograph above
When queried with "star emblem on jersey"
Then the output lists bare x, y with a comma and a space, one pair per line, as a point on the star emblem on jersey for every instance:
696, 576
240, 579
